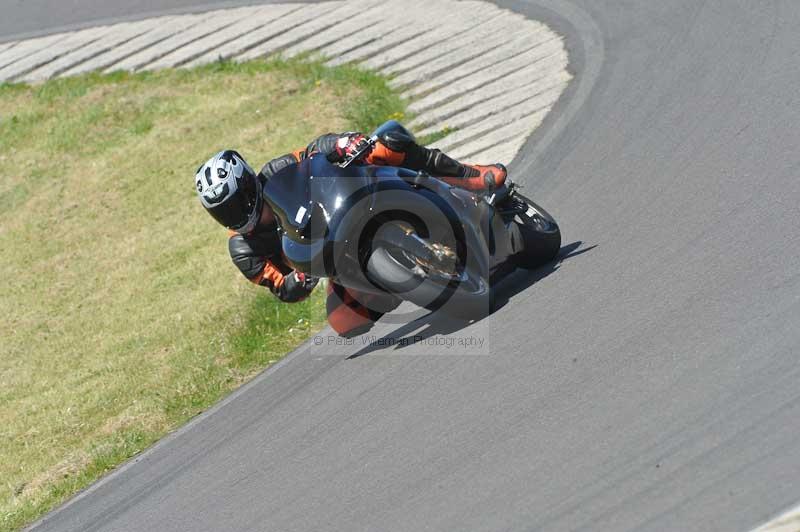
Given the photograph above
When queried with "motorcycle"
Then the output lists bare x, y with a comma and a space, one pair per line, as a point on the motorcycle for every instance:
383, 229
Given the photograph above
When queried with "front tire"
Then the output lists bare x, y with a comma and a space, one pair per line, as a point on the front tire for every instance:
392, 267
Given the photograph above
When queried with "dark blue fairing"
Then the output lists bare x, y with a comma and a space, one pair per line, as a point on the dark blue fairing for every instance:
310, 198
325, 214
312, 187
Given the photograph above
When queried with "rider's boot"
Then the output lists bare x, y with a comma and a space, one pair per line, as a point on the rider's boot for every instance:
478, 178
398, 147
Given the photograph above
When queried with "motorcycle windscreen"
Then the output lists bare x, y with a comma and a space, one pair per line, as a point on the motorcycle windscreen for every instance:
288, 194
306, 195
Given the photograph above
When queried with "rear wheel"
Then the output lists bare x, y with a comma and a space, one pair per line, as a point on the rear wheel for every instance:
429, 275
540, 234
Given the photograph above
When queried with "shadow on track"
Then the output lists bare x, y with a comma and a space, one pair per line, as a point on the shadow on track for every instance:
434, 323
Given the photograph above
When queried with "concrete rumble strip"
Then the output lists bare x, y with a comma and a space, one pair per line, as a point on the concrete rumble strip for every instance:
786, 522
489, 96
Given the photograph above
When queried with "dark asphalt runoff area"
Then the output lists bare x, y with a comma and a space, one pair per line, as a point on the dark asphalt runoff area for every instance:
649, 381
27, 18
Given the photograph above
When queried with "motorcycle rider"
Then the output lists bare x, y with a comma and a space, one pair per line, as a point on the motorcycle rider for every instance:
230, 191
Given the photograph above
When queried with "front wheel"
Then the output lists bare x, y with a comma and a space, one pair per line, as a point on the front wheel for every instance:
540, 234
416, 271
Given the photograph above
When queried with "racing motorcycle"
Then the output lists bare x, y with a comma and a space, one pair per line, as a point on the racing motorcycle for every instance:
379, 229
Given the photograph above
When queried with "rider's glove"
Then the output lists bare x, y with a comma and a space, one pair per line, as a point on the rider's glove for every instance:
347, 146
297, 286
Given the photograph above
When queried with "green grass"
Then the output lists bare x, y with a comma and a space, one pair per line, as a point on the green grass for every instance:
123, 316
436, 135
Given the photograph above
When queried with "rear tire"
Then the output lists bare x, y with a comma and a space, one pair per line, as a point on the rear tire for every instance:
540, 235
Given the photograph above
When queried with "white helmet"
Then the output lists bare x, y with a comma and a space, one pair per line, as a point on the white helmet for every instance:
230, 191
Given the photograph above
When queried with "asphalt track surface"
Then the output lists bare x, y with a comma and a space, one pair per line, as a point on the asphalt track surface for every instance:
649, 381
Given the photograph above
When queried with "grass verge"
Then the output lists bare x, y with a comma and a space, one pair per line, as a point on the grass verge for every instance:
436, 135
122, 314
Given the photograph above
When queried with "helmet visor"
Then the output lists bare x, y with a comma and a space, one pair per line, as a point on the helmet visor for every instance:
241, 208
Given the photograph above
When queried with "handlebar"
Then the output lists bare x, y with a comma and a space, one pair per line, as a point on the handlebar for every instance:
373, 140
368, 145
